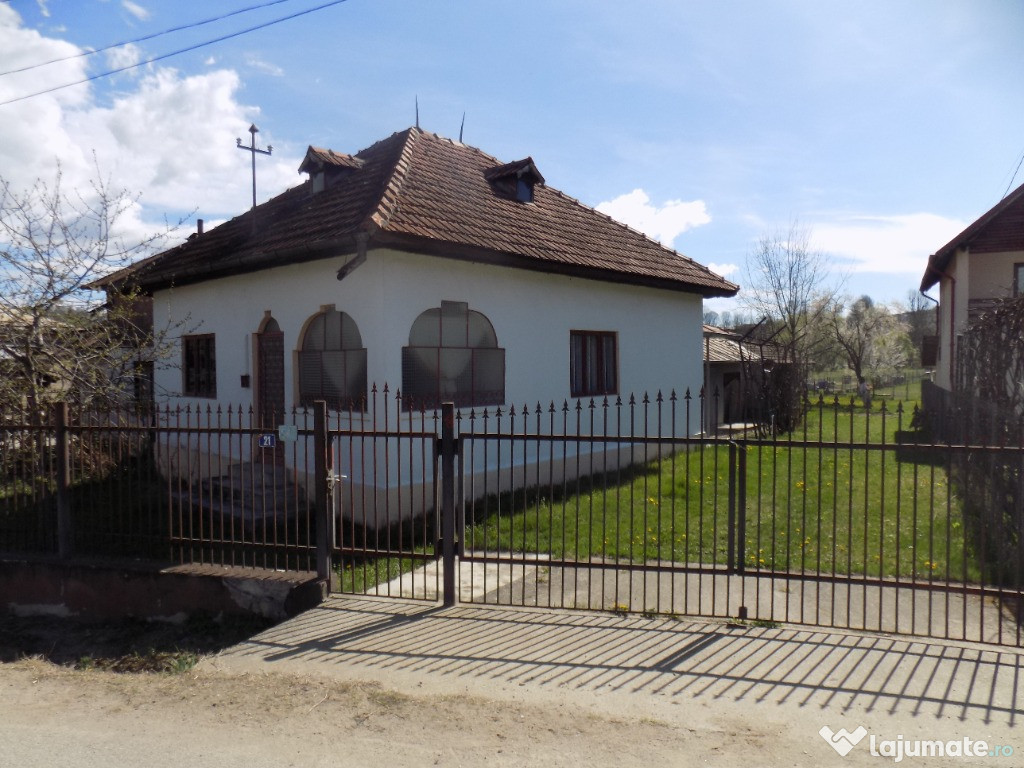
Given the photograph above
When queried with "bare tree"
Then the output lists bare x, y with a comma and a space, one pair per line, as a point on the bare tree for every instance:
790, 284
59, 338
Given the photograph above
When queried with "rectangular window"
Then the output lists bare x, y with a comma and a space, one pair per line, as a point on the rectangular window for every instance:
1018, 279
593, 363
199, 366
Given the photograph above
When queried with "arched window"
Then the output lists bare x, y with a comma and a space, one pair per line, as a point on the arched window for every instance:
453, 355
332, 362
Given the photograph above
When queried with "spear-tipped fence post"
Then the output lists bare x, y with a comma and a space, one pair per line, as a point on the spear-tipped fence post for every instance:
447, 506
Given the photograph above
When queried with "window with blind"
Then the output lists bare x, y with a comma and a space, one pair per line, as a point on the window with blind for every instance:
199, 366
593, 363
453, 355
332, 362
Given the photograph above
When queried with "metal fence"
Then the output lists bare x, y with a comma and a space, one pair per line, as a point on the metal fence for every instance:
861, 519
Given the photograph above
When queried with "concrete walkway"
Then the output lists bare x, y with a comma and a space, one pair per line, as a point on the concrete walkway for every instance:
791, 687
532, 581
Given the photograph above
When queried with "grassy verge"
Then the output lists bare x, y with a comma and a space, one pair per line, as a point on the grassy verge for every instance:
852, 505
357, 577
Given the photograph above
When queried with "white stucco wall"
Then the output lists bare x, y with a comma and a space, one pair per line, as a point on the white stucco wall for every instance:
659, 347
659, 331
992, 274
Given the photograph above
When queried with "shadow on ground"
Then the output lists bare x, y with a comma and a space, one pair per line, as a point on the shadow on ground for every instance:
124, 645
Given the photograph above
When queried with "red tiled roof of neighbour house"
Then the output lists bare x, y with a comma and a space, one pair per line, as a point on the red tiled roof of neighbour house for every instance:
421, 192
1001, 228
319, 156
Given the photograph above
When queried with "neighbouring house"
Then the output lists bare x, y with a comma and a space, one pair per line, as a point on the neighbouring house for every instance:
737, 379
426, 264
982, 264
20, 328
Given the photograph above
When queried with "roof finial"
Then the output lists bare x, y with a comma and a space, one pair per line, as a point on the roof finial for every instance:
417, 111
253, 130
462, 126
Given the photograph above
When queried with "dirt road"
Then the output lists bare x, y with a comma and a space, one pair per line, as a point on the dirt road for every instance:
369, 683
54, 716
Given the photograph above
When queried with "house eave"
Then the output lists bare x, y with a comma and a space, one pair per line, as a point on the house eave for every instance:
254, 261
463, 252
938, 262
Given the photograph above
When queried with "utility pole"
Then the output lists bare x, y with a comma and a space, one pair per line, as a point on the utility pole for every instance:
253, 130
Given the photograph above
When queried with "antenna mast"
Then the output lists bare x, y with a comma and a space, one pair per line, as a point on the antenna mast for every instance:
252, 149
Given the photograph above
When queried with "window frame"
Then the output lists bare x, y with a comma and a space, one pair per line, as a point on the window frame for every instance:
579, 380
1018, 283
416, 397
347, 401
199, 369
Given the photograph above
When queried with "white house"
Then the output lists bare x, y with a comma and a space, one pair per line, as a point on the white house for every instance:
982, 263
426, 264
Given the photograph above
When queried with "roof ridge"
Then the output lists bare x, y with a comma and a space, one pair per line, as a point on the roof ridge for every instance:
457, 143
387, 206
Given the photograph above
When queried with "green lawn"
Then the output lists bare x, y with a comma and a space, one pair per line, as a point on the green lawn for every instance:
851, 506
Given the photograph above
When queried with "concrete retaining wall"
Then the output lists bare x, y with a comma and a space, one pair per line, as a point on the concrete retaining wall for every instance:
91, 590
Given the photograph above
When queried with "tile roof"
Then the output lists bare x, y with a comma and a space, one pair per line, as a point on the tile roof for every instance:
1009, 212
725, 346
318, 157
419, 191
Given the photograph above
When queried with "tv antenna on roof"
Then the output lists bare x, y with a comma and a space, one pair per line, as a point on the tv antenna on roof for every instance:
253, 150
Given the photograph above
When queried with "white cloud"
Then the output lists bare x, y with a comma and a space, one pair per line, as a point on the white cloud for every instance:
663, 223
265, 67
888, 244
135, 10
723, 269
124, 56
167, 137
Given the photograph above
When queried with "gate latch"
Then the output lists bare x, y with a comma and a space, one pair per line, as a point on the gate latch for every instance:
334, 480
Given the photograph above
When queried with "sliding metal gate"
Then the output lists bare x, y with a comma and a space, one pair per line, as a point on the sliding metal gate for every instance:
612, 506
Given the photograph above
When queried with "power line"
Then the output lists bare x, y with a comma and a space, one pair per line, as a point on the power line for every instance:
155, 59
1014, 176
144, 38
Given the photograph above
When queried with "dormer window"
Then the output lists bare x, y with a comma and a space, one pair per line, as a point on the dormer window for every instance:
524, 190
515, 180
325, 167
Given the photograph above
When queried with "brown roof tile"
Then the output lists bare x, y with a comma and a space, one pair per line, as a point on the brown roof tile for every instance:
423, 192
1002, 225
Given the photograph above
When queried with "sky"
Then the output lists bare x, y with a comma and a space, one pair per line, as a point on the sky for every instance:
880, 128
